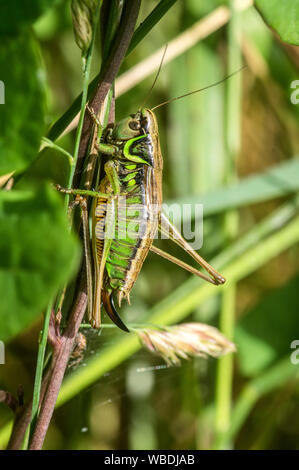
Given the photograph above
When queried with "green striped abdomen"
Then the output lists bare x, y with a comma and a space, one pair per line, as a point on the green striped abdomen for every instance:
130, 229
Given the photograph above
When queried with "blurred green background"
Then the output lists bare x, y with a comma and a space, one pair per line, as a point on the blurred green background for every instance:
227, 147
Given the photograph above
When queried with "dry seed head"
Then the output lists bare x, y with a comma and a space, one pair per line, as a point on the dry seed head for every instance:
79, 348
82, 15
185, 341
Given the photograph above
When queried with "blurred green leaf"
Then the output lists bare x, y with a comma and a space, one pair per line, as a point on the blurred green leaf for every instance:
260, 35
17, 14
37, 255
276, 376
279, 181
264, 335
151, 20
206, 153
283, 16
50, 165
22, 115
178, 130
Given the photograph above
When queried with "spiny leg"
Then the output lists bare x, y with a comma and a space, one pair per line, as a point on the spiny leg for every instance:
183, 265
177, 238
79, 200
99, 264
87, 253
107, 149
82, 192
94, 116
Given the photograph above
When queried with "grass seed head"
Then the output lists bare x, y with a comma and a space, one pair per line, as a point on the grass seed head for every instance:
82, 15
185, 341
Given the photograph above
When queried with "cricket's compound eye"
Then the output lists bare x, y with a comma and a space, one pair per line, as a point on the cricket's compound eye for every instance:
134, 125
127, 128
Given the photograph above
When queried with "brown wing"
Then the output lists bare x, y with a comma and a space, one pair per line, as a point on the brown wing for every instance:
99, 210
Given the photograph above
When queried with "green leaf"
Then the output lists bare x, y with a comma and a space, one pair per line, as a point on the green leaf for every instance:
264, 335
16, 14
151, 20
282, 16
278, 181
22, 115
37, 256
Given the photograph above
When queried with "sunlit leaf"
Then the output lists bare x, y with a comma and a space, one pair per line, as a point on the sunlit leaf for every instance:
279, 181
282, 16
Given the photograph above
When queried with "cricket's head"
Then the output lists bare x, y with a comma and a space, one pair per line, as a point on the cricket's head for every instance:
139, 133
141, 123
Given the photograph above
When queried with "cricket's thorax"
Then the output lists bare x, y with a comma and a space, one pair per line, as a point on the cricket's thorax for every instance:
136, 210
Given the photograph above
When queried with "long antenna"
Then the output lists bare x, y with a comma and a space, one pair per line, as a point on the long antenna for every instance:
156, 78
200, 89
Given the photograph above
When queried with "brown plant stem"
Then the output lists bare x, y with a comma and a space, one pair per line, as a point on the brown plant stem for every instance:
108, 73
62, 349
63, 343
22, 420
9, 400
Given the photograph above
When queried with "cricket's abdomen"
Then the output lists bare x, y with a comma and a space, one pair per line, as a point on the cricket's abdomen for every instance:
135, 228
137, 209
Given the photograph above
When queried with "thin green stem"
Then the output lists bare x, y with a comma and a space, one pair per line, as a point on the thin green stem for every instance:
38, 374
224, 377
86, 77
109, 26
48, 143
277, 375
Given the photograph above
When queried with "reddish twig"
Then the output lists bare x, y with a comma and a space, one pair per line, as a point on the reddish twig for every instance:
9, 400
23, 418
109, 72
62, 349
63, 344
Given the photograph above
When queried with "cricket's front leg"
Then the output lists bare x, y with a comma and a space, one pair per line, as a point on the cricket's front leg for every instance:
101, 147
87, 251
82, 202
82, 192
